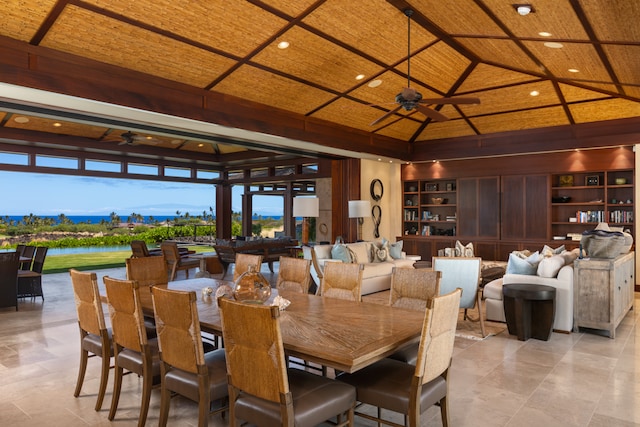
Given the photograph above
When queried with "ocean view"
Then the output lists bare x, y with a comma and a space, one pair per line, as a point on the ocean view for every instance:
97, 219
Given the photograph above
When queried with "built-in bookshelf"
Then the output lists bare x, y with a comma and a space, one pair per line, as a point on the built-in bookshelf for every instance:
581, 200
430, 208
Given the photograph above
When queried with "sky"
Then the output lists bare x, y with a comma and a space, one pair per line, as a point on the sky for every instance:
40, 194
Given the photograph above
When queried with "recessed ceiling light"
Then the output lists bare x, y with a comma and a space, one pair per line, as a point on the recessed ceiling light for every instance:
283, 45
544, 34
149, 137
523, 9
375, 83
554, 45
573, 70
57, 124
360, 77
21, 119
534, 93
201, 145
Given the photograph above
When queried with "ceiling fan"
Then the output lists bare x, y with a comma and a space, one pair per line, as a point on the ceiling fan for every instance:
130, 138
410, 99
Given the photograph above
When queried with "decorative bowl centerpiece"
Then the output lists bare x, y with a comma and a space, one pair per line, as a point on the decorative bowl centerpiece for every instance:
437, 200
621, 181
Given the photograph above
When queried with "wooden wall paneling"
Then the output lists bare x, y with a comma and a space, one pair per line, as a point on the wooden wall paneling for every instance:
345, 186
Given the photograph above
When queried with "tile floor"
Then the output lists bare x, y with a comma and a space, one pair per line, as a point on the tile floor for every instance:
579, 379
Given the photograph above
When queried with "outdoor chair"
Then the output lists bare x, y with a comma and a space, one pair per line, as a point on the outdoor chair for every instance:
407, 389
30, 281
147, 271
9, 265
412, 289
342, 280
262, 390
132, 350
139, 249
186, 369
27, 252
95, 337
294, 274
176, 262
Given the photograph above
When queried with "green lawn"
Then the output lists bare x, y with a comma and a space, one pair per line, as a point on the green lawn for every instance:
94, 260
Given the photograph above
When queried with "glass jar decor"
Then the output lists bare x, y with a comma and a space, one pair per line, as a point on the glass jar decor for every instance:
252, 287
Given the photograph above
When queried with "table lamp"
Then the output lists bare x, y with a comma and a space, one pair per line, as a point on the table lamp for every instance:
359, 209
306, 207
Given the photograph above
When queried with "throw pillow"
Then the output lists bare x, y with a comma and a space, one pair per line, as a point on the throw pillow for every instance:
464, 251
570, 256
517, 265
341, 252
395, 250
360, 252
550, 266
323, 251
548, 251
381, 255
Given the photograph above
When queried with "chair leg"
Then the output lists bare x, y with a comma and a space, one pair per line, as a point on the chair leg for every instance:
147, 385
173, 272
165, 401
480, 315
444, 412
104, 377
84, 356
117, 385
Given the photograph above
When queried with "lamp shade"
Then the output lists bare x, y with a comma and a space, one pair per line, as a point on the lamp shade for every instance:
306, 207
359, 208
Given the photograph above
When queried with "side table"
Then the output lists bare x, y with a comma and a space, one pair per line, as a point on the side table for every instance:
529, 310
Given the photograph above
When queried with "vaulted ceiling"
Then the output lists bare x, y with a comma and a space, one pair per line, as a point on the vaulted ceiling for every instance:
568, 62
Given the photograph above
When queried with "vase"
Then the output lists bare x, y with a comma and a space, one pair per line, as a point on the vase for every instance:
252, 287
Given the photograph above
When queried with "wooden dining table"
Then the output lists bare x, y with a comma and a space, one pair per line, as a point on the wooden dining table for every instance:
344, 335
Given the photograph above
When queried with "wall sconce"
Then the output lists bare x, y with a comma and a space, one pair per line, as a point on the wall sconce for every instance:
306, 207
359, 209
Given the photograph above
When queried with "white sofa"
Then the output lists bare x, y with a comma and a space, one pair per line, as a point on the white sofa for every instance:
376, 275
562, 281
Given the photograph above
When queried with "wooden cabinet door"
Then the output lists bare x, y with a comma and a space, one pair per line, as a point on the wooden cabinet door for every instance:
479, 207
525, 207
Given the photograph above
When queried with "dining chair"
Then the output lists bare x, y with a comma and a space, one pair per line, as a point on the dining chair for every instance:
407, 389
9, 265
464, 273
147, 271
28, 252
30, 281
412, 289
95, 337
342, 280
243, 261
262, 390
175, 261
185, 368
294, 274
132, 349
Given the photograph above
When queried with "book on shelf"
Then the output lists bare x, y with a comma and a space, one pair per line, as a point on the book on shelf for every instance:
590, 216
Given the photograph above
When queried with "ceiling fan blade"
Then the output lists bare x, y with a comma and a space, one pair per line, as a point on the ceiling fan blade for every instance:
387, 114
454, 100
434, 115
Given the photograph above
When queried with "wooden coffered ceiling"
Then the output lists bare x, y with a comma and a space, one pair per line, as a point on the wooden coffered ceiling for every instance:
218, 61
